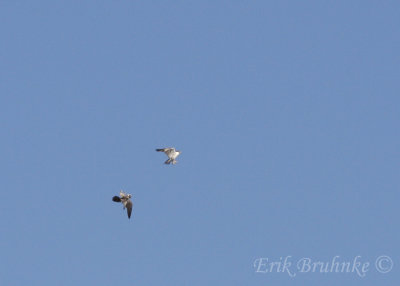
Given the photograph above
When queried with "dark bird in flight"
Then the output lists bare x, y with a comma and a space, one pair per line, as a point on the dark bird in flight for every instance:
125, 199
171, 153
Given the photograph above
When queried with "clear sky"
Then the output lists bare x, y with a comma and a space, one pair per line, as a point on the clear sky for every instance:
286, 113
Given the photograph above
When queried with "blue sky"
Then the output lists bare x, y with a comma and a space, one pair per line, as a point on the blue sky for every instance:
286, 112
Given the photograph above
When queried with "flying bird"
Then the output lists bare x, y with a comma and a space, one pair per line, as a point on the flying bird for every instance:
125, 200
171, 153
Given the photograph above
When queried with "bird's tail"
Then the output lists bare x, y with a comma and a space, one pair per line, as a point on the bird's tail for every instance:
160, 150
168, 161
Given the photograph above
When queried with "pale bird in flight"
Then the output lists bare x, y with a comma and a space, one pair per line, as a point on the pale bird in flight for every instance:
125, 199
171, 153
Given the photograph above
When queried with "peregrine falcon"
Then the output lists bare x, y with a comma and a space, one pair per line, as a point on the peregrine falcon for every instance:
171, 153
125, 200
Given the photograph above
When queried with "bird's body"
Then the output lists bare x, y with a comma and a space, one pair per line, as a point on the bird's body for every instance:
171, 153
125, 199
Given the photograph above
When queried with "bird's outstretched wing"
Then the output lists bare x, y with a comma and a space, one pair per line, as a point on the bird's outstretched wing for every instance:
129, 208
116, 199
166, 150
